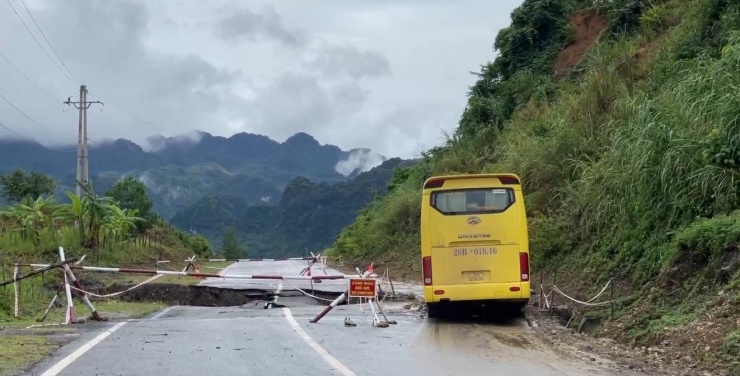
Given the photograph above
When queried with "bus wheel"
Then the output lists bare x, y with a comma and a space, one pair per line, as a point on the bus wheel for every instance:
432, 311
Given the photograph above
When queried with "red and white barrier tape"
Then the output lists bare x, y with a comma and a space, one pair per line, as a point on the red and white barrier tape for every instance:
15, 288
208, 275
115, 293
245, 260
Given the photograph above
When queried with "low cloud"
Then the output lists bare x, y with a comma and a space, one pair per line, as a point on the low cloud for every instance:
349, 61
383, 75
243, 24
158, 142
359, 159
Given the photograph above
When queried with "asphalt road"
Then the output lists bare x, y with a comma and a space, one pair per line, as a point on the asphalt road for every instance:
251, 340
288, 268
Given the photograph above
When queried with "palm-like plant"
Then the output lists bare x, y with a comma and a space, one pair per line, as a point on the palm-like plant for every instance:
119, 221
34, 217
96, 216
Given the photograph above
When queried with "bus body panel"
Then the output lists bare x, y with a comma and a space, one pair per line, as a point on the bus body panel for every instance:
474, 250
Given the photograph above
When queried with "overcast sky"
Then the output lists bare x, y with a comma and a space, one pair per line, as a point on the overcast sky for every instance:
387, 75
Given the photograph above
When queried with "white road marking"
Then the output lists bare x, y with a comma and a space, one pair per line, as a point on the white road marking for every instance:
53, 371
277, 295
314, 345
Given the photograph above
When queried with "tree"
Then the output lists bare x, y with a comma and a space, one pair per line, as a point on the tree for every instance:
230, 246
201, 246
34, 217
19, 185
96, 216
130, 194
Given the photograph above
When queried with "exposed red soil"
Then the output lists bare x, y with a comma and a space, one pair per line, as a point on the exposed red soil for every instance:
589, 25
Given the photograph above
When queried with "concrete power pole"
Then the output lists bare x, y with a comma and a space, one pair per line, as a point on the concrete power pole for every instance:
83, 173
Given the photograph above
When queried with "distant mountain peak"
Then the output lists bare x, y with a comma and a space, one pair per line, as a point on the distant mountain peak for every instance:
302, 138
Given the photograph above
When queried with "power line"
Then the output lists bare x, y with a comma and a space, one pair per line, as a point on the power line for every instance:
137, 118
24, 114
69, 76
26, 77
62, 149
40, 46
47, 41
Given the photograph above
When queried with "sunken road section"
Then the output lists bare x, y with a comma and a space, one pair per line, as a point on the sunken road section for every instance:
209, 296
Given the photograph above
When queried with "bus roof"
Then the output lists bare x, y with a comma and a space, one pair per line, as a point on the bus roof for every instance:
505, 178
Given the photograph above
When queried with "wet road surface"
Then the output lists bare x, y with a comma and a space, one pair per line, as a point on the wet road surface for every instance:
251, 340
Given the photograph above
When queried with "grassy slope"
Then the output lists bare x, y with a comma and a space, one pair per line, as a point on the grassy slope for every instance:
630, 166
160, 241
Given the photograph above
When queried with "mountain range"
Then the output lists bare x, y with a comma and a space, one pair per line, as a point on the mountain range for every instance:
281, 198
180, 171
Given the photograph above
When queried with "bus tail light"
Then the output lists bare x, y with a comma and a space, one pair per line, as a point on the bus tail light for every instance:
524, 265
437, 183
508, 180
426, 268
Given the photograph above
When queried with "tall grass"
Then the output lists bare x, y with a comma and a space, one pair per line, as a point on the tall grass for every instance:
642, 139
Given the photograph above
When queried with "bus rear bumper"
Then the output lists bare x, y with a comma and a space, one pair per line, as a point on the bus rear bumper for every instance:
514, 292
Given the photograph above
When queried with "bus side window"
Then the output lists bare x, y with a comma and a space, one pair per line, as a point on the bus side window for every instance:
497, 200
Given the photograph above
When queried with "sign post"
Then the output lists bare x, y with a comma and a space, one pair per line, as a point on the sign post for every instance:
367, 288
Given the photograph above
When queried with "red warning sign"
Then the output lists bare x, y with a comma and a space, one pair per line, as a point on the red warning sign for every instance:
362, 287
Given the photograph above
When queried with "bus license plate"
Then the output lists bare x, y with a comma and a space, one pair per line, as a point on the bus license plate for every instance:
475, 276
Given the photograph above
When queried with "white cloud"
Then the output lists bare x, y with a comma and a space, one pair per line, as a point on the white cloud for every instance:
359, 159
383, 75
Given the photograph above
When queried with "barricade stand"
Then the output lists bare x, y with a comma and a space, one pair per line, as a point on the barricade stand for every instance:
336, 302
51, 304
68, 274
56, 296
307, 270
374, 299
15, 289
69, 316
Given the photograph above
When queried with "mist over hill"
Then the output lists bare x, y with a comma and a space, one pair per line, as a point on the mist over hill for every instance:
179, 171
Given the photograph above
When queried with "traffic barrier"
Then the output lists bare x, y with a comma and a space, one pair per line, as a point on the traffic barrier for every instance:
364, 285
15, 288
307, 270
207, 275
246, 260
336, 302
68, 273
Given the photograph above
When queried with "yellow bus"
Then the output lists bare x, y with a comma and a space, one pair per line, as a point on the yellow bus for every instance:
474, 243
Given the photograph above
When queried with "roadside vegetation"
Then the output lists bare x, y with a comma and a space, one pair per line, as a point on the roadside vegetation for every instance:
114, 229
623, 120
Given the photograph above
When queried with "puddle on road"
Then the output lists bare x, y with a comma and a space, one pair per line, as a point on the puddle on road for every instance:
496, 346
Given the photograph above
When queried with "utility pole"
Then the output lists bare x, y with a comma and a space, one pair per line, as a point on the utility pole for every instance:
83, 173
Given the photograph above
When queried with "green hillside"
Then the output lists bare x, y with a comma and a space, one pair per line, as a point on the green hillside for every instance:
623, 120
307, 217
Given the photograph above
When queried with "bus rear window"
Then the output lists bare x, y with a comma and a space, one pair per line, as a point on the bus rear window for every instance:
472, 201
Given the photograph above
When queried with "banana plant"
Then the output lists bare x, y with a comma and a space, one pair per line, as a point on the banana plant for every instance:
119, 221
89, 212
34, 217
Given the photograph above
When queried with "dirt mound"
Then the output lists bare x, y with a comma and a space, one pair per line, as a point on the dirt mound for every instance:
588, 24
